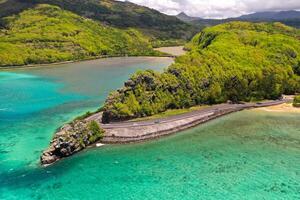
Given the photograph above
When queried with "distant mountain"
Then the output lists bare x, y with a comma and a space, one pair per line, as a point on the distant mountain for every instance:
113, 13
198, 21
282, 15
291, 18
184, 17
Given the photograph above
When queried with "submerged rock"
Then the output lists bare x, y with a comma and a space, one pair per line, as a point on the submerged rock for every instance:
70, 139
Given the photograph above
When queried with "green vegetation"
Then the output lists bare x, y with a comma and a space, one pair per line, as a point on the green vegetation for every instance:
170, 112
296, 102
85, 133
97, 132
47, 34
237, 61
85, 115
88, 114
161, 28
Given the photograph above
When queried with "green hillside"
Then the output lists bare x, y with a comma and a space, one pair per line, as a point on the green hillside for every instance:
47, 34
237, 61
163, 29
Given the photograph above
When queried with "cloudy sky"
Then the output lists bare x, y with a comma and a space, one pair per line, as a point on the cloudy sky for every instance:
218, 8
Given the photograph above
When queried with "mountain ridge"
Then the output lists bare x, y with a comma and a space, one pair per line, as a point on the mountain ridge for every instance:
290, 17
47, 34
275, 15
184, 17
118, 14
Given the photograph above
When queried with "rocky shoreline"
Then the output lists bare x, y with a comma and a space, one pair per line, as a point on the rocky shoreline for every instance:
79, 134
71, 139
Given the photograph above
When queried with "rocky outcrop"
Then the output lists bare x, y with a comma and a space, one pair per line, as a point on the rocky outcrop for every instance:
70, 139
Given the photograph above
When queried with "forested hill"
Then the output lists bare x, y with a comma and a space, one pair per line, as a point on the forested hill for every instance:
47, 34
237, 61
114, 13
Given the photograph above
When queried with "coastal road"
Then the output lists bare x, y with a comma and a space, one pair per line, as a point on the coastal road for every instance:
203, 112
128, 132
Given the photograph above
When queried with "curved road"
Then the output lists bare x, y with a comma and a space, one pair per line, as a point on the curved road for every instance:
206, 111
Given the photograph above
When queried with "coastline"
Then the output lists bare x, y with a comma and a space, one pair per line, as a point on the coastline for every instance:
131, 132
174, 51
36, 66
124, 132
286, 108
165, 54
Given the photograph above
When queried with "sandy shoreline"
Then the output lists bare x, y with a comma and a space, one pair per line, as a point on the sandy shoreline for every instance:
286, 107
175, 51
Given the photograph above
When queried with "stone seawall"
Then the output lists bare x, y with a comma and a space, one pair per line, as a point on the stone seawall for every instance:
78, 135
141, 133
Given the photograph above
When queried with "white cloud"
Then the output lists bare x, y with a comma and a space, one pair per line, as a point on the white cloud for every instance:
218, 8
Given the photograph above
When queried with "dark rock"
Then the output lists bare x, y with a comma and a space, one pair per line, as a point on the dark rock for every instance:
129, 83
47, 158
75, 137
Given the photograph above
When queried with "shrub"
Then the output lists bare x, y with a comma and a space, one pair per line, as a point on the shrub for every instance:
296, 102
96, 130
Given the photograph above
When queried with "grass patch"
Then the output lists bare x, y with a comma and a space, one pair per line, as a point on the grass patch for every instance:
88, 114
170, 113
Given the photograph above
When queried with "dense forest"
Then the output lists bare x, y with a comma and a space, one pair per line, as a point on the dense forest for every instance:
160, 28
237, 61
47, 34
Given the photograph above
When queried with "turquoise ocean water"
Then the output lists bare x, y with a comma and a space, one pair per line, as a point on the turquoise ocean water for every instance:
246, 155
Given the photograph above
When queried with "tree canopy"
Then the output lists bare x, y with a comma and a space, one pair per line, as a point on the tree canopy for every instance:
47, 34
161, 28
237, 61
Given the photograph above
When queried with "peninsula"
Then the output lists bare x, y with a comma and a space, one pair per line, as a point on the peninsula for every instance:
232, 62
126, 100
88, 131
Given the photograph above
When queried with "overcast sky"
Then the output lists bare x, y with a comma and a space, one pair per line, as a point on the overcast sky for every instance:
218, 8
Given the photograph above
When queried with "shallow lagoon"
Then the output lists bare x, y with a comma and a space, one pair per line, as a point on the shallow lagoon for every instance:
246, 155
